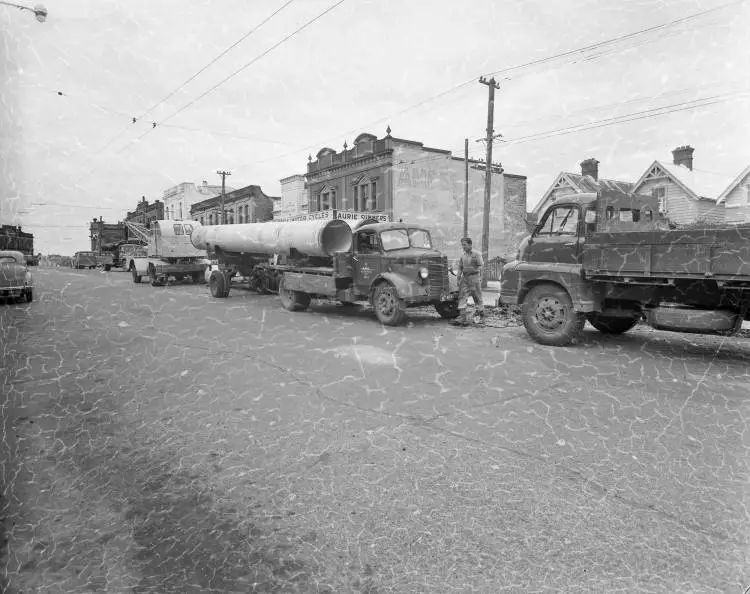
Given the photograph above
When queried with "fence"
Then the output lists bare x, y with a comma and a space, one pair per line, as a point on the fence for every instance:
493, 269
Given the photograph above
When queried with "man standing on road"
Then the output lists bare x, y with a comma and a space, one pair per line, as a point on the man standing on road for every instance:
469, 282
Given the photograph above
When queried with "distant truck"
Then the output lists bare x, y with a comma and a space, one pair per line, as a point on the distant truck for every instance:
124, 252
169, 253
609, 258
393, 266
86, 259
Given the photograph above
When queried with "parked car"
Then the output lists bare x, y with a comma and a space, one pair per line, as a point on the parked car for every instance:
15, 276
84, 260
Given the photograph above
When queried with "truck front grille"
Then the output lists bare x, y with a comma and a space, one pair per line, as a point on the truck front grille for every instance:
438, 277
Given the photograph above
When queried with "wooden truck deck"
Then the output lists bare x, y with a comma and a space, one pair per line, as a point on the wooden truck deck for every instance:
721, 254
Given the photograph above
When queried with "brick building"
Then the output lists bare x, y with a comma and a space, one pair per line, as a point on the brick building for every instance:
146, 213
246, 205
407, 181
106, 235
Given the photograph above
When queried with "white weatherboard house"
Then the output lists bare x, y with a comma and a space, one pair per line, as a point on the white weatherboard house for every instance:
690, 195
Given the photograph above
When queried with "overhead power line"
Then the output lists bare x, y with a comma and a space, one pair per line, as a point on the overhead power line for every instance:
216, 59
532, 63
236, 72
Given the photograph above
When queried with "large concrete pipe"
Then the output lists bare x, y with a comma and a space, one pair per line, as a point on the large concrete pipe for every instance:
311, 238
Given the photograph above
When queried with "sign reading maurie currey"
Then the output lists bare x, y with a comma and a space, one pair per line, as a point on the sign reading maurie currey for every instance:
350, 216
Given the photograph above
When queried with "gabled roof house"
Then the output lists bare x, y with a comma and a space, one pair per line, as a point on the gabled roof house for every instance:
567, 183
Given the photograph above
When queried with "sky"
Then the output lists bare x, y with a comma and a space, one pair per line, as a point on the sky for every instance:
303, 74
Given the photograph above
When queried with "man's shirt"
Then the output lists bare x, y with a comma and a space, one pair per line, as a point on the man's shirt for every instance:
470, 263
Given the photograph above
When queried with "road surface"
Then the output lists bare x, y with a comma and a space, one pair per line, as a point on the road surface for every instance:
156, 440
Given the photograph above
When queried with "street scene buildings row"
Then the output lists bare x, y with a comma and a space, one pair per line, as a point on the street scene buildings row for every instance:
398, 179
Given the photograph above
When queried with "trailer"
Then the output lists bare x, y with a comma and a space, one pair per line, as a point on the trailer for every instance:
169, 253
391, 266
610, 259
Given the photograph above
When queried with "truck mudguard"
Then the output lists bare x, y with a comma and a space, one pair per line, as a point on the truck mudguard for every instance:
569, 277
406, 289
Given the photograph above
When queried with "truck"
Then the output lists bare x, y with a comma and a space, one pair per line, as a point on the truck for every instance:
169, 252
126, 250
611, 259
391, 266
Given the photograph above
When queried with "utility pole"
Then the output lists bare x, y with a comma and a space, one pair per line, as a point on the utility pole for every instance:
223, 175
488, 173
466, 187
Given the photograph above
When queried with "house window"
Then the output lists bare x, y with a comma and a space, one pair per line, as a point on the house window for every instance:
201, 220
326, 199
372, 202
247, 213
661, 194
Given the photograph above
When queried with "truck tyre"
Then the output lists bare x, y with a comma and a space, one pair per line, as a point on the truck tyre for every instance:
549, 317
136, 276
389, 308
155, 280
107, 268
448, 310
610, 324
29, 295
218, 283
293, 300
197, 277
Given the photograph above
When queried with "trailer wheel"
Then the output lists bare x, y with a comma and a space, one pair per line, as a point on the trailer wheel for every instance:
389, 308
549, 317
218, 283
293, 300
136, 276
107, 268
448, 310
611, 324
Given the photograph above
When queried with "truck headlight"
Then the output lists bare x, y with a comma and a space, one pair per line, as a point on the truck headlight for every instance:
423, 273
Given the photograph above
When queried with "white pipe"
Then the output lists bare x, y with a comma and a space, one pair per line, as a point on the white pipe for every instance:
311, 238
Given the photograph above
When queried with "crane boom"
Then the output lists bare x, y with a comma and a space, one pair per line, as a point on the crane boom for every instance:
140, 230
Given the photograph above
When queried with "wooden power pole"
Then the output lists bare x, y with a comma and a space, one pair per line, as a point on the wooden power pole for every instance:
466, 187
223, 175
488, 175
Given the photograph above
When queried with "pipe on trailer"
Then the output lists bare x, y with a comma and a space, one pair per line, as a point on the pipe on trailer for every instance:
311, 238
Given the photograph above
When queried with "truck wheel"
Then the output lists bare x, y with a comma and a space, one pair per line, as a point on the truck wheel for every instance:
197, 277
549, 317
448, 310
155, 280
610, 324
107, 268
293, 300
389, 308
29, 295
218, 284
136, 276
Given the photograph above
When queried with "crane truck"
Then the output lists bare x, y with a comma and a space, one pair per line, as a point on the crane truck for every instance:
392, 266
169, 252
610, 259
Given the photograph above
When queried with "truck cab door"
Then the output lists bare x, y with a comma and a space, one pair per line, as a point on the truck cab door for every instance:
367, 259
557, 239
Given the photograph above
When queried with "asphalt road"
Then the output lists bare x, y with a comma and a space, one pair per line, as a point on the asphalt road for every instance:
156, 440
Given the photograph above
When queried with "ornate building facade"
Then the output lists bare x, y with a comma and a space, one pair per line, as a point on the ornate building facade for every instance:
405, 180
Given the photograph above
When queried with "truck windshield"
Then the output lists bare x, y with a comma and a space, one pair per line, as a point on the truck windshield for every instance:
399, 239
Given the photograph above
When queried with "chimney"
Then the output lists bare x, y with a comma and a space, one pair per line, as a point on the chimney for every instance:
590, 167
683, 155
